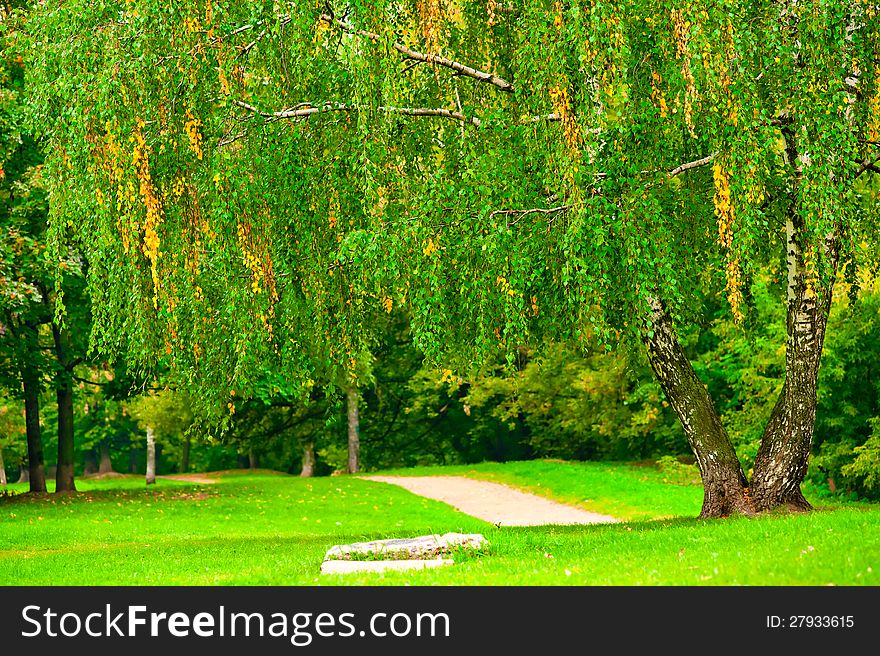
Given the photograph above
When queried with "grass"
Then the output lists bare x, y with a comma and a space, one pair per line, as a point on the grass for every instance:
267, 529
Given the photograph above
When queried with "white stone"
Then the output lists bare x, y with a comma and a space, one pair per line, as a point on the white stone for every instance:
410, 548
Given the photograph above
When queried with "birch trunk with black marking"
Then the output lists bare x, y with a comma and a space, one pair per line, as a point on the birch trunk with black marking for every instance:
724, 483
354, 430
783, 457
64, 478
151, 456
308, 460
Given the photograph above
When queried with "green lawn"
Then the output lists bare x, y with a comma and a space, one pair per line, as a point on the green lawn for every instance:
274, 529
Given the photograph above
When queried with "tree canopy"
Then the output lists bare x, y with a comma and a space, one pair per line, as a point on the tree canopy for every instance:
254, 182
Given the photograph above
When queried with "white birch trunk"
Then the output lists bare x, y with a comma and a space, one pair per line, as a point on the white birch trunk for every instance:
151, 456
354, 430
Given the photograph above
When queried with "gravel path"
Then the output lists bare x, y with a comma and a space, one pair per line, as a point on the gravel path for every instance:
493, 502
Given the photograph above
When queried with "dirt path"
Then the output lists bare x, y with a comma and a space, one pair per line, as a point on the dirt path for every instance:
493, 502
201, 479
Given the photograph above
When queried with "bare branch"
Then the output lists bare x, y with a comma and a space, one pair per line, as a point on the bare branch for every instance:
868, 165
459, 68
427, 111
304, 110
544, 117
537, 210
681, 168
230, 140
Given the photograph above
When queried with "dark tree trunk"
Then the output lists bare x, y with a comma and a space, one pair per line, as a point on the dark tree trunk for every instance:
132, 460
3, 480
31, 384
243, 461
783, 457
24, 474
354, 431
184, 454
151, 457
724, 483
308, 463
106, 465
64, 479
253, 459
90, 463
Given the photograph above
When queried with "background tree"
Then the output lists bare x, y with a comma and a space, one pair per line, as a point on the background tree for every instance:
168, 416
31, 278
12, 436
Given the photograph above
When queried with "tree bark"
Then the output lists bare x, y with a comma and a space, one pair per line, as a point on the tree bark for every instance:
724, 483
24, 474
90, 463
253, 460
354, 430
132, 460
783, 457
64, 478
184, 454
3, 480
105, 466
151, 456
36, 471
308, 460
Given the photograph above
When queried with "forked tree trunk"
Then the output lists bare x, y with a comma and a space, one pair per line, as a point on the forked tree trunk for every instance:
354, 430
36, 471
24, 474
783, 457
3, 480
64, 479
105, 466
151, 456
308, 460
724, 483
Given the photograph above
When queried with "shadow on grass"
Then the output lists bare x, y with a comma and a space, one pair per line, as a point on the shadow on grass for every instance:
180, 492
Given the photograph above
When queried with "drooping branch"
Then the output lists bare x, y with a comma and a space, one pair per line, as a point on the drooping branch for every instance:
305, 110
459, 68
